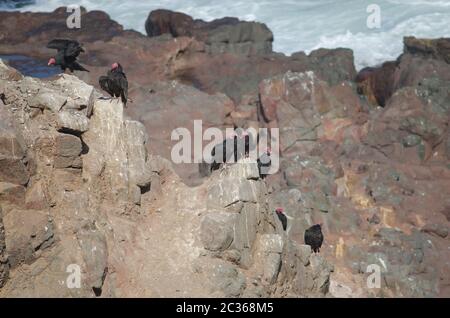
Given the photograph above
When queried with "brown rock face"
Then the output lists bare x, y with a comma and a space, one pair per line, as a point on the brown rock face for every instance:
377, 178
168, 22
222, 35
422, 59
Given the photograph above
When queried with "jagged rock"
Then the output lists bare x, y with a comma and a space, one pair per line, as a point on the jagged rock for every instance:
217, 230
67, 151
246, 38
12, 193
228, 191
48, 99
435, 48
12, 151
245, 168
300, 103
28, 233
423, 59
173, 105
35, 198
222, 35
228, 280
116, 150
72, 122
438, 229
304, 252
13, 171
95, 254
79, 92
161, 22
270, 247
9, 73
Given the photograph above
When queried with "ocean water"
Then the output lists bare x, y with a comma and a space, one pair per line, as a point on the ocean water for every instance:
298, 25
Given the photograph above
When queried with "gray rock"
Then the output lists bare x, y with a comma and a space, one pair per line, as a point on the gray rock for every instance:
67, 151
217, 230
228, 279
272, 265
228, 191
304, 253
48, 99
95, 254
271, 243
72, 122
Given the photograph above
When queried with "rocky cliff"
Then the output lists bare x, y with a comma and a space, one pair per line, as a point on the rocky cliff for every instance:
79, 191
367, 155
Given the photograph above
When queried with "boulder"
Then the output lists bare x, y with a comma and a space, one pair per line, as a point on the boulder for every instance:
72, 122
12, 193
95, 254
28, 233
227, 35
67, 151
217, 231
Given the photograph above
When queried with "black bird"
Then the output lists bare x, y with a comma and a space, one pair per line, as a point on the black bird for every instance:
264, 163
66, 58
227, 149
314, 237
115, 83
282, 217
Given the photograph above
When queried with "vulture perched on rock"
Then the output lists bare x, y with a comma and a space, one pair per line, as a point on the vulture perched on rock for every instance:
115, 83
66, 57
314, 237
282, 217
225, 151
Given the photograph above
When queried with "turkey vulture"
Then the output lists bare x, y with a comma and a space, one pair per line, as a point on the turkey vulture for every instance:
227, 149
115, 83
282, 217
243, 144
66, 58
314, 237
264, 163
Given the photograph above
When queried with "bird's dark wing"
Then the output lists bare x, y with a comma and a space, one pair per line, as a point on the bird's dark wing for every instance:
70, 48
60, 44
105, 84
123, 82
75, 66
73, 49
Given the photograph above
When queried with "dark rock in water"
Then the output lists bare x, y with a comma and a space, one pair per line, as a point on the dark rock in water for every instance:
226, 35
161, 22
29, 66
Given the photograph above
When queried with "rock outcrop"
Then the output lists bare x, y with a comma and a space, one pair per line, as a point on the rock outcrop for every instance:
89, 195
227, 35
81, 184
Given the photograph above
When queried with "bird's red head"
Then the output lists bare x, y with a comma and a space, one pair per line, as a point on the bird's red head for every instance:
269, 150
114, 66
279, 210
52, 61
